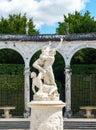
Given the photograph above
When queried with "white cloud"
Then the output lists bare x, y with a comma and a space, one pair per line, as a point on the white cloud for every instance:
43, 12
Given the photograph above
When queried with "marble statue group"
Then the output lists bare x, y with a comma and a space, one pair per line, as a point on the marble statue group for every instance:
46, 107
43, 84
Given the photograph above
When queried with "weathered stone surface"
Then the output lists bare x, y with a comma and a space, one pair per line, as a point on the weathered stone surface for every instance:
46, 115
49, 37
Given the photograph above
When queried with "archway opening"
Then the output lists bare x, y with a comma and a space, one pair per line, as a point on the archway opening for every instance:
83, 85
58, 70
12, 81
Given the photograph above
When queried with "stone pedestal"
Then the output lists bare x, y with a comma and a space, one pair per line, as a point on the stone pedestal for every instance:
46, 115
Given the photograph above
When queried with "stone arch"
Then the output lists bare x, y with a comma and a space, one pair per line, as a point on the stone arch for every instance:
62, 54
70, 54
79, 48
13, 78
15, 49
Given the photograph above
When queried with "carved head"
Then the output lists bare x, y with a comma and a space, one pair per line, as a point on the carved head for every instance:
33, 75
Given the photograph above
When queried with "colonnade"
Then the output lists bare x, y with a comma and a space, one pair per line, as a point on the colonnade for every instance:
28, 48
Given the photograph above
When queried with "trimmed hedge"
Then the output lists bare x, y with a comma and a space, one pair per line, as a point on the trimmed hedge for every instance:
83, 68
12, 69
12, 87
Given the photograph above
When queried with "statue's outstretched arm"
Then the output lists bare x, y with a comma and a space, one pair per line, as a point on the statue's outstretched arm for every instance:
59, 45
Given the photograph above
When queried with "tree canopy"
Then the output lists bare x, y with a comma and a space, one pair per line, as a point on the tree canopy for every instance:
16, 24
77, 23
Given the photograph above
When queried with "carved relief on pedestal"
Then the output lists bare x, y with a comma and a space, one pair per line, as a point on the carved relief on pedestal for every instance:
52, 123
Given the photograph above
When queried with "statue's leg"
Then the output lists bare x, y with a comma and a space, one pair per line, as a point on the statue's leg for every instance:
40, 84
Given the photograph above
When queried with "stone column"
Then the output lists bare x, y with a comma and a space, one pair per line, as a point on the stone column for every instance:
68, 91
46, 115
26, 91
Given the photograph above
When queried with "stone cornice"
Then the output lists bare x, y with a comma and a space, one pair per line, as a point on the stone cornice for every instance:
48, 37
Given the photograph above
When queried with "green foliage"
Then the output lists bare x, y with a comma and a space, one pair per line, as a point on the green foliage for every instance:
32, 29
11, 69
12, 80
83, 86
9, 56
78, 23
58, 68
12, 87
83, 91
12, 93
83, 69
16, 24
84, 56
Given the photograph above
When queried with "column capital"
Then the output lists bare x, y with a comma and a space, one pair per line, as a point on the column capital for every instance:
27, 71
68, 69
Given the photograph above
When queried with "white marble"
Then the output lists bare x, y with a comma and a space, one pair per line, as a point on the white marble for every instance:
68, 88
27, 90
46, 115
45, 80
46, 108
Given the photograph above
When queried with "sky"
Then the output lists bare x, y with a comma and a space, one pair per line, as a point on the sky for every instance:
46, 13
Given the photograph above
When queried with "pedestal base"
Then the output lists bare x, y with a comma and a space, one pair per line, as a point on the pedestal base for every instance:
46, 115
